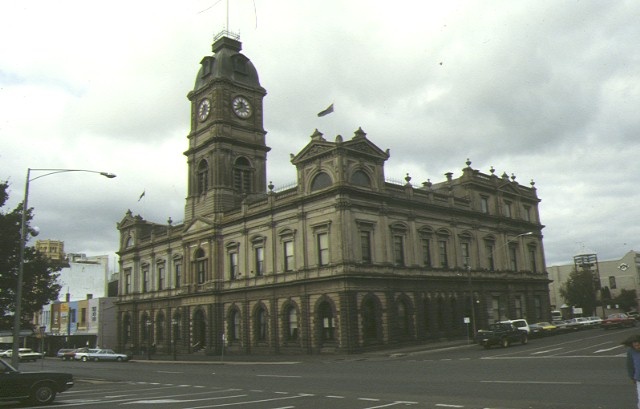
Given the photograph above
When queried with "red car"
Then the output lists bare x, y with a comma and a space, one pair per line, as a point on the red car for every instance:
619, 320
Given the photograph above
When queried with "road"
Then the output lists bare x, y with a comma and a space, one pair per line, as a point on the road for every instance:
577, 370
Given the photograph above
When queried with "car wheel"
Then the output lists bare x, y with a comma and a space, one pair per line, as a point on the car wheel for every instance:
95, 359
524, 340
119, 359
504, 342
43, 394
85, 359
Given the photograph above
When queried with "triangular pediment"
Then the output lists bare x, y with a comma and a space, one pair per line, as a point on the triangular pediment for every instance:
358, 146
198, 224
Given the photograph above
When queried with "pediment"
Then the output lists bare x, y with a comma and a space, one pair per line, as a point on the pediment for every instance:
198, 224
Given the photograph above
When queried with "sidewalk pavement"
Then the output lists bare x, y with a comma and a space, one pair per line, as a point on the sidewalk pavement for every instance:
231, 359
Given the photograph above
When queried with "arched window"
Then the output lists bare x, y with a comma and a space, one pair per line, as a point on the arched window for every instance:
369, 320
403, 319
327, 321
202, 176
261, 325
242, 172
160, 328
291, 323
360, 178
321, 181
234, 325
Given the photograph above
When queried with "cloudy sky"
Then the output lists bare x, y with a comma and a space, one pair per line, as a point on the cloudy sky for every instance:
546, 90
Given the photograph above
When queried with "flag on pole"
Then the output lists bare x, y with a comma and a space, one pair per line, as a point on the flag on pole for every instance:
326, 111
142, 195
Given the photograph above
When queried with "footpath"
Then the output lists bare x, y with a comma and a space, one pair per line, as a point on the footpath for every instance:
234, 359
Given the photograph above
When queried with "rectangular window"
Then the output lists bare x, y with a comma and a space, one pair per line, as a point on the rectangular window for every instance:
259, 258
527, 213
442, 250
177, 268
513, 258
201, 267
491, 264
537, 305
288, 255
426, 252
161, 277
233, 265
495, 309
532, 260
398, 250
465, 253
127, 281
83, 316
518, 307
323, 249
612, 282
145, 280
365, 246
484, 205
507, 209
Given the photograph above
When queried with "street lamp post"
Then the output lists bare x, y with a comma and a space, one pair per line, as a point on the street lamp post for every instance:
148, 325
174, 330
15, 358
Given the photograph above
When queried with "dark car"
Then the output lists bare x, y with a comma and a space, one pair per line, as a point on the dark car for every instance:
501, 333
39, 388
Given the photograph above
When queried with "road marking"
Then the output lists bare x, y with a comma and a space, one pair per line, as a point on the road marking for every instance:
169, 372
280, 376
535, 382
443, 405
334, 397
546, 351
369, 399
608, 349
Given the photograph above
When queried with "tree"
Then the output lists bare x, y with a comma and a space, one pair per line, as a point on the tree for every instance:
626, 300
580, 291
40, 285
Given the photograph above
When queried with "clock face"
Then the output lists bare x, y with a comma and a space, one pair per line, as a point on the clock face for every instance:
241, 107
204, 109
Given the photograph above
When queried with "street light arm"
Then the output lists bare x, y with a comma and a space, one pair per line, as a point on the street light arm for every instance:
54, 171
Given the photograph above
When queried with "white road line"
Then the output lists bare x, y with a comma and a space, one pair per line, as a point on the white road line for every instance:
535, 382
334, 397
442, 405
169, 372
546, 351
280, 376
609, 349
369, 399
248, 402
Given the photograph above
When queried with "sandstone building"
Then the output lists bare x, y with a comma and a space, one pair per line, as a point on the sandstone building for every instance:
344, 261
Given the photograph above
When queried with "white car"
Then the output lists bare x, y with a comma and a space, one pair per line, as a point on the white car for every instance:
24, 354
82, 354
107, 355
520, 323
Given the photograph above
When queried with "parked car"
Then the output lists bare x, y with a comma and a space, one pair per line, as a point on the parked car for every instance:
61, 352
618, 320
107, 355
577, 323
542, 329
24, 354
501, 333
593, 321
40, 388
520, 323
67, 354
82, 354
634, 314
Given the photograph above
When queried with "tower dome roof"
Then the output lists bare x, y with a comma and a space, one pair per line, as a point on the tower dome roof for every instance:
227, 63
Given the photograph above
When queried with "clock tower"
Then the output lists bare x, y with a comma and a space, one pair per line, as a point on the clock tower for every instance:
227, 152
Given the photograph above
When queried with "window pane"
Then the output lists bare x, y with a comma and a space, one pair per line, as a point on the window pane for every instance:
365, 246
323, 249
